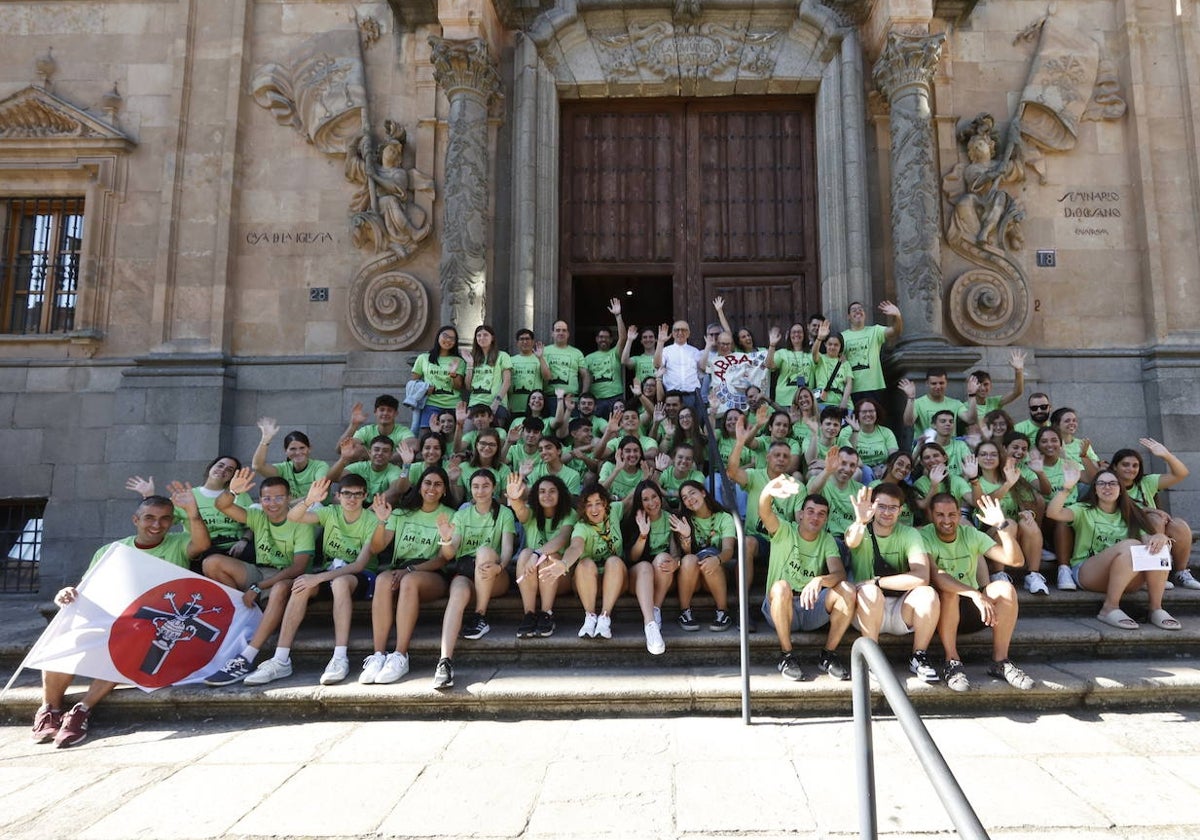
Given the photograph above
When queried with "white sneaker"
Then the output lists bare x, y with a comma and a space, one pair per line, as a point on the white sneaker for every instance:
269, 671
394, 667
1035, 582
1065, 580
658, 613
371, 666
589, 626
1004, 576
1185, 579
1048, 556
336, 671
654, 639
604, 626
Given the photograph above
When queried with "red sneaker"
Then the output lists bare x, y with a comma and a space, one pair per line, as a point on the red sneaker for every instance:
74, 727
46, 724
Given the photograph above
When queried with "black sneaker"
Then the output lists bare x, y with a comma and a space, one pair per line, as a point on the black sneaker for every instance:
721, 622
955, 676
475, 626
922, 667
545, 624
833, 665
789, 666
235, 670
528, 626
686, 622
443, 674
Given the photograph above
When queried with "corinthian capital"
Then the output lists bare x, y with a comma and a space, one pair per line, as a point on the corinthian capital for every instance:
464, 67
907, 60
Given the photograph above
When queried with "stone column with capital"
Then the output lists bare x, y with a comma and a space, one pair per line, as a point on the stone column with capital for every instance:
467, 73
904, 74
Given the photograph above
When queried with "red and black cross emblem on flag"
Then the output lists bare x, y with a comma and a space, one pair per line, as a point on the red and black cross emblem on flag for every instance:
170, 631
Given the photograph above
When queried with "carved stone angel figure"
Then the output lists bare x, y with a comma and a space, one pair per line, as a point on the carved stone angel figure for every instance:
391, 205
984, 214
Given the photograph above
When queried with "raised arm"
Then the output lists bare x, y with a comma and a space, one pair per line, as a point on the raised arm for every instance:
896, 327
780, 487
1178, 470
269, 429
183, 497
1016, 361
316, 494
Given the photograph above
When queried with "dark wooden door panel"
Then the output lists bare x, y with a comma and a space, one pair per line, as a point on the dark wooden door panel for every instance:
719, 193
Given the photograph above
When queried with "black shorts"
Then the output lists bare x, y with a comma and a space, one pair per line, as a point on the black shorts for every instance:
969, 619
362, 592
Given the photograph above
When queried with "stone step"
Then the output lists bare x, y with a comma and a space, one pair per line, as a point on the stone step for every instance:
648, 689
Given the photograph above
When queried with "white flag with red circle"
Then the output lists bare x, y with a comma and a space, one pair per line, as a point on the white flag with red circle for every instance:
142, 621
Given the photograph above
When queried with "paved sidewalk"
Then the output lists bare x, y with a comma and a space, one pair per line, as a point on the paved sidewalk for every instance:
1087, 775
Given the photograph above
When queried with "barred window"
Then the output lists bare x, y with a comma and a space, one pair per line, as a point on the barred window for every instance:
43, 239
20, 544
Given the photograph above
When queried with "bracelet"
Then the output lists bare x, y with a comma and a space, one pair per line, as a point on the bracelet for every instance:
445, 542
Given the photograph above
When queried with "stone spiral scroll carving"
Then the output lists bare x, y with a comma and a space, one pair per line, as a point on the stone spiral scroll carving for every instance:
388, 308
990, 306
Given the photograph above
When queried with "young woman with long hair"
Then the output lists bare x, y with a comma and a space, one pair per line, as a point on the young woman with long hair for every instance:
548, 518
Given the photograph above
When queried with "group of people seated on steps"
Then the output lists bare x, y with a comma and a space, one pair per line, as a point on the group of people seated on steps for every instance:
541, 468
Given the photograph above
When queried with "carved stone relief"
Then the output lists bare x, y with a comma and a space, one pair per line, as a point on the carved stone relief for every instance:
322, 94
663, 49
467, 73
904, 73
989, 305
34, 113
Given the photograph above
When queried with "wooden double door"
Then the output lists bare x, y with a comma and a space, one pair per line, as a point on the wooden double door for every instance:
670, 203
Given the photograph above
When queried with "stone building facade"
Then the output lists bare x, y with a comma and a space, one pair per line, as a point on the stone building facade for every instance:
266, 207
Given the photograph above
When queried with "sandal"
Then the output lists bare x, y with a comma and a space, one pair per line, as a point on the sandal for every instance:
1164, 620
1119, 619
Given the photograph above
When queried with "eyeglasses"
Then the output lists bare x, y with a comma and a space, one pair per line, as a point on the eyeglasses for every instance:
272, 500
1107, 484
353, 494
887, 508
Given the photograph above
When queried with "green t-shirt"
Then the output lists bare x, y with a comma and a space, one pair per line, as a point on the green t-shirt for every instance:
479, 529
600, 541
862, 351
570, 477
416, 534
657, 542
924, 408
488, 379
344, 540
1029, 429
1095, 531
278, 544
785, 509
796, 559
608, 378
564, 364
841, 505
371, 431
906, 513
959, 559
670, 483
955, 485
795, 370
643, 366
710, 531
441, 393
378, 481
220, 527
535, 537
894, 550
526, 378
173, 549
873, 448
624, 483
468, 472
300, 482
832, 385
1145, 491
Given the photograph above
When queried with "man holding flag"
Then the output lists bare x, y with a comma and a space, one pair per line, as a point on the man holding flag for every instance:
152, 522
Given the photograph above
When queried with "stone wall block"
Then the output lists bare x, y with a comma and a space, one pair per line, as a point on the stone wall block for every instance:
129, 407
94, 411
20, 447
8, 404
45, 379
171, 405
139, 444
31, 481
13, 379
51, 411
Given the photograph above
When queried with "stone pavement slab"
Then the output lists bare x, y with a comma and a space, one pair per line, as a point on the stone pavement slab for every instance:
1078, 775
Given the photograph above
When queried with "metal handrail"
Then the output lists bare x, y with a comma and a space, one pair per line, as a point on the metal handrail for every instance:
866, 657
714, 461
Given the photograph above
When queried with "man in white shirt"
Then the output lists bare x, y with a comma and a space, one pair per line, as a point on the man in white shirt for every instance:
680, 363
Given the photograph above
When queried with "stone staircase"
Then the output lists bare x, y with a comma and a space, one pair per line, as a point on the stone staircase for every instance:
1076, 660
